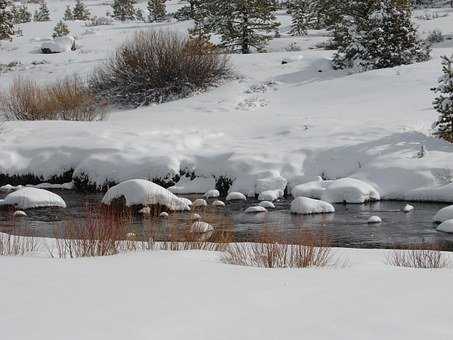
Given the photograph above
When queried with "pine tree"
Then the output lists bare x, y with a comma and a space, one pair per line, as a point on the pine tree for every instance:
60, 30
302, 16
242, 24
68, 15
42, 14
156, 10
139, 15
80, 12
443, 103
124, 9
21, 14
378, 34
6, 21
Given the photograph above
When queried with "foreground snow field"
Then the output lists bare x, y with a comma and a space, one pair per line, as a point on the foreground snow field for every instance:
190, 295
294, 121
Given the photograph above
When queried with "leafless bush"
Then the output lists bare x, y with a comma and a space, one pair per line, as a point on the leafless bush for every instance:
310, 250
155, 67
67, 99
426, 256
14, 245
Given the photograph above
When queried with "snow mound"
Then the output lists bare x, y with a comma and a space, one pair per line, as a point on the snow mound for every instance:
236, 196
255, 210
195, 217
9, 187
307, 206
313, 189
374, 220
200, 203
164, 214
186, 201
201, 227
143, 192
65, 186
444, 214
218, 203
443, 193
446, 226
20, 213
145, 211
212, 194
267, 205
58, 45
28, 198
198, 185
270, 195
408, 208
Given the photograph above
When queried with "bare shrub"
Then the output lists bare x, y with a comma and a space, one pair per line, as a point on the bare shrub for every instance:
309, 250
156, 66
15, 245
426, 256
67, 99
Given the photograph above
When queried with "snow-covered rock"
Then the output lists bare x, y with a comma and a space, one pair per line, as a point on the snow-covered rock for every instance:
195, 217
313, 189
143, 192
349, 190
374, 220
199, 203
270, 195
28, 198
145, 211
186, 201
201, 227
20, 213
218, 203
255, 210
59, 45
236, 196
163, 214
408, 208
267, 205
446, 226
198, 185
9, 187
444, 214
306, 206
212, 194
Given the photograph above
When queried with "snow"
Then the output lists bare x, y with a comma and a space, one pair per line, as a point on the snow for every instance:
444, 214
270, 195
201, 227
408, 208
446, 226
195, 217
29, 198
9, 187
145, 211
197, 186
143, 192
164, 215
267, 205
212, 194
20, 213
306, 206
441, 193
367, 299
199, 203
236, 196
374, 220
58, 45
255, 210
218, 203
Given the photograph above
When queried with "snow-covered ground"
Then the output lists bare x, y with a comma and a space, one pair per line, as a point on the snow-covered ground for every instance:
275, 123
191, 295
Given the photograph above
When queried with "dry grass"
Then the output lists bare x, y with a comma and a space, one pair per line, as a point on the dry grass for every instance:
67, 99
426, 256
14, 245
309, 250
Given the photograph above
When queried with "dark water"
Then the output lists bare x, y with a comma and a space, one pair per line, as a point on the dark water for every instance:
347, 227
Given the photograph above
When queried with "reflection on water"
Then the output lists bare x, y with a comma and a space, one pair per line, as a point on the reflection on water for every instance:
347, 227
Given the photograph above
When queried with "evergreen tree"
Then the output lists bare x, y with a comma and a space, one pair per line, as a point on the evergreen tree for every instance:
242, 24
443, 103
124, 9
80, 12
378, 34
21, 14
139, 15
156, 10
42, 14
302, 16
68, 15
6, 21
60, 30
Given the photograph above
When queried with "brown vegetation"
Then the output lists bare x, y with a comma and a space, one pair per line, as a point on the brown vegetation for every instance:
425, 255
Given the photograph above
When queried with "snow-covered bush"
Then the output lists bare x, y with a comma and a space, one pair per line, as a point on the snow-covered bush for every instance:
435, 36
155, 66
60, 30
21, 14
99, 21
42, 13
68, 99
80, 12
443, 103
156, 10
6, 21
124, 9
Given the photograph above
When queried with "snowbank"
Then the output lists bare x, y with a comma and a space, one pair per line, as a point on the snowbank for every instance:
198, 185
28, 198
444, 214
306, 206
443, 193
143, 192
446, 226
270, 195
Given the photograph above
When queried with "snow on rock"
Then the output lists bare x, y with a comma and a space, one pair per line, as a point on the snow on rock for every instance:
9, 187
65, 186
145, 211
442, 193
201, 227
255, 210
143, 192
267, 205
218, 203
270, 195
212, 194
374, 220
195, 217
306, 206
164, 214
446, 226
408, 208
313, 189
198, 185
58, 45
444, 214
186, 201
199, 203
28, 198
20, 213
272, 182
236, 196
